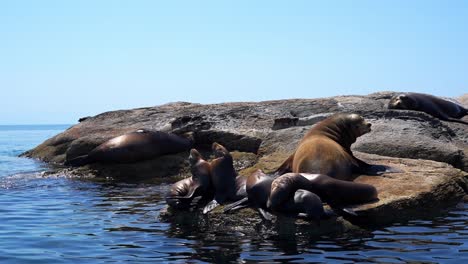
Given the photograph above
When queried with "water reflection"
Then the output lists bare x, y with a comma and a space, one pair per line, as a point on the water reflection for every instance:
56, 218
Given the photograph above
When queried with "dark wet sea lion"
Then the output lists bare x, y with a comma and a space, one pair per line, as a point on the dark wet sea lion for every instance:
337, 193
134, 147
258, 187
287, 197
303, 202
326, 149
199, 184
227, 185
432, 105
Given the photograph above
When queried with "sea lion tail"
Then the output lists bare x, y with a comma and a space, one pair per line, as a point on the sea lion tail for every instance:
458, 121
78, 161
285, 167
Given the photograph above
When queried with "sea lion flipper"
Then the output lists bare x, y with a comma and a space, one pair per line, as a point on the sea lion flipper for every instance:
286, 166
377, 170
196, 186
265, 215
234, 206
349, 211
457, 121
210, 206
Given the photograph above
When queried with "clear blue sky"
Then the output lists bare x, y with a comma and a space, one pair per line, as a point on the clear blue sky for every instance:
61, 60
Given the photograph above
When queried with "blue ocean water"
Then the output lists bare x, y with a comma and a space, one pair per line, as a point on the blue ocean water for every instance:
57, 219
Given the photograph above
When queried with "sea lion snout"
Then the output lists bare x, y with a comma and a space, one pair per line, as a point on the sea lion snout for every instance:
368, 126
395, 102
364, 127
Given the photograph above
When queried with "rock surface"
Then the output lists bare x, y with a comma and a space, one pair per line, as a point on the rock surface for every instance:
263, 134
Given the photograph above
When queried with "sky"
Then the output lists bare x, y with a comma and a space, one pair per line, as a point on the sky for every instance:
62, 60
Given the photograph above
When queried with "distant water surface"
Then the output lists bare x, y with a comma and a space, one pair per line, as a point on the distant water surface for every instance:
64, 220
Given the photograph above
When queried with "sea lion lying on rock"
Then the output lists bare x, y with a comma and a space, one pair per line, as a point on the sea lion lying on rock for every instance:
134, 147
337, 193
258, 188
326, 149
184, 191
432, 105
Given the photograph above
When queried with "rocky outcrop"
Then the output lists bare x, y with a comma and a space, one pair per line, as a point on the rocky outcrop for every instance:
262, 135
423, 188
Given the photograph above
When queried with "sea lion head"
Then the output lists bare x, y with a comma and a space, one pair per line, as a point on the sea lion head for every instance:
342, 128
219, 151
200, 170
194, 156
401, 101
359, 125
281, 189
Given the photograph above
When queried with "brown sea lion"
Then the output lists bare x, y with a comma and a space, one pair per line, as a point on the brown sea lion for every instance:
182, 192
227, 185
337, 193
326, 149
133, 147
432, 105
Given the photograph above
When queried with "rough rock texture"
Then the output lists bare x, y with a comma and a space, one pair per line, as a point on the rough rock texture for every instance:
263, 134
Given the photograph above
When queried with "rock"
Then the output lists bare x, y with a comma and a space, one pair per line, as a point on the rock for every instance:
424, 188
411, 138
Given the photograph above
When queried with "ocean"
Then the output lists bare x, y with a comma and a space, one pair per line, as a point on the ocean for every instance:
59, 219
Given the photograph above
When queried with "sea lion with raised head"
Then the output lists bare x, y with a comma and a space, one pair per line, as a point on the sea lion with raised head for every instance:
443, 109
184, 191
227, 185
326, 149
133, 147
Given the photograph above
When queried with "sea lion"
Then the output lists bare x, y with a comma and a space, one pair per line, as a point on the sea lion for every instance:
326, 149
337, 193
432, 105
227, 185
303, 202
184, 191
287, 197
258, 187
133, 147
